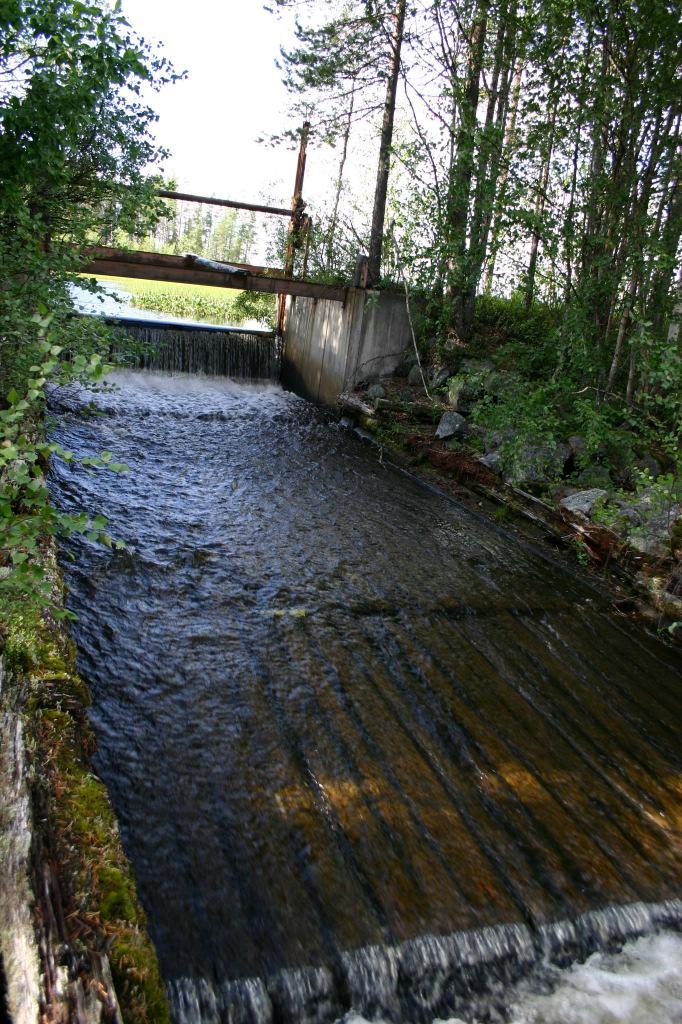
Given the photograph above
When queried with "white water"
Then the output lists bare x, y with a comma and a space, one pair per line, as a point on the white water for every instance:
642, 984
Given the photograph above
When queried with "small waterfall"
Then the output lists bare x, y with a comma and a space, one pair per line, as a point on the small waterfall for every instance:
217, 351
421, 980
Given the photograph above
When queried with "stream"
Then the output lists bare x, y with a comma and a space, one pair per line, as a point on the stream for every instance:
372, 756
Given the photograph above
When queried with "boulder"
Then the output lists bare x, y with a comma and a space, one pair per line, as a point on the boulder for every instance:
651, 528
594, 476
649, 464
452, 424
583, 502
438, 377
530, 467
494, 439
376, 391
459, 396
576, 443
562, 455
491, 461
414, 376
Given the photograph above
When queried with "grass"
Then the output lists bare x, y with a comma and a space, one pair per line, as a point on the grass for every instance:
202, 303
137, 287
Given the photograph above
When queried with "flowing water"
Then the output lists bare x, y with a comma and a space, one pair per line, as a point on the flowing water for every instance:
370, 754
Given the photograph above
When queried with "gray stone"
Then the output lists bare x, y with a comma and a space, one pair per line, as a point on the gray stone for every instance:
491, 461
495, 438
414, 376
650, 526
459, 396
376, 391
452, 424
438, 377
531, 466
583, 502
562, 453
594, 476
649, 464
576, 443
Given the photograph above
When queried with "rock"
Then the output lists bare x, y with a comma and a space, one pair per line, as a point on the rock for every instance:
494, 439
376, 391
594, 476
414, 376
459, 396
562, 454
406, 396
530, 466
651, 528
438, 377
649, 464
576, 443
583, 502
452, 424
477, 365
491, 461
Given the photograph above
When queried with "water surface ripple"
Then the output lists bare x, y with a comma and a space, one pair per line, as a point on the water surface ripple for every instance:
342, 719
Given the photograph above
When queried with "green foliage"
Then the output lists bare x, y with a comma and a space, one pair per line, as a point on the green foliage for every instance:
27, 517
206, 308
75, 143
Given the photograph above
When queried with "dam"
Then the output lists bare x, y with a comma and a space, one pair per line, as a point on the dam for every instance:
370, 753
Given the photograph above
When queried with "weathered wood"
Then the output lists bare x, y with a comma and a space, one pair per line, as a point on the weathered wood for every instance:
232, 204
183, 270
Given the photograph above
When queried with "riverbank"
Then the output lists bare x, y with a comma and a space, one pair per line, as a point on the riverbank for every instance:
421, 419
74, 942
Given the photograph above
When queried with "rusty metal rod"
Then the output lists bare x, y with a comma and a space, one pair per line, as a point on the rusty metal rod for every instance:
187, 197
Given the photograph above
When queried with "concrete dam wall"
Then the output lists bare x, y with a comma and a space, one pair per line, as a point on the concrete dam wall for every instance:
330, 346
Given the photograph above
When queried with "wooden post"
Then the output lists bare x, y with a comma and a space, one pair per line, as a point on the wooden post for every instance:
297, 215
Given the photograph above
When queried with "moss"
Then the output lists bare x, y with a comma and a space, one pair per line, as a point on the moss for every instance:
137, 980
96, 881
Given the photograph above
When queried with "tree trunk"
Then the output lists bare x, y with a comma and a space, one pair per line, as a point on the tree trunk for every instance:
540, 203
459, 190
622, 329
379, 212
507, 150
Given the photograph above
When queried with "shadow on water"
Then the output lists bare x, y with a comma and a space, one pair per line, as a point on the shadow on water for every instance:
366, 751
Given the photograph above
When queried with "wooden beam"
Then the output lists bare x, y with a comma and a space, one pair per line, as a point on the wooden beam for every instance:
188, 197
161, 259
180, 270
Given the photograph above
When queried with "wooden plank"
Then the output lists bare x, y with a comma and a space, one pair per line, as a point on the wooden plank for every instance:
188, 197
162, 259
180, 270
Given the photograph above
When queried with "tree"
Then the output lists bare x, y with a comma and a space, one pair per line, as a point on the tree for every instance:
338, 70
75, 143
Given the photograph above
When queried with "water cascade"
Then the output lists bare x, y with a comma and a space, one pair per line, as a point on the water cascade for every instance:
369, 752
219, 351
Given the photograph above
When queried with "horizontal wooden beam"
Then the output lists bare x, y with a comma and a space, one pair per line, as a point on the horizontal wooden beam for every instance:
162, 259
188, 197
182, 270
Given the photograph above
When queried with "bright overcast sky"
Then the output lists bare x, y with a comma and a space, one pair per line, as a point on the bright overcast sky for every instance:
233, 94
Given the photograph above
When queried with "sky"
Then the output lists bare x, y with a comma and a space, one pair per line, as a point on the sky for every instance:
233, 94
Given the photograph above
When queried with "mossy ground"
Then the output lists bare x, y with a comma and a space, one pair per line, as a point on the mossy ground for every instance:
101, 908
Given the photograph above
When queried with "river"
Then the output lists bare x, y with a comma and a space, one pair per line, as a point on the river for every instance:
370, 753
